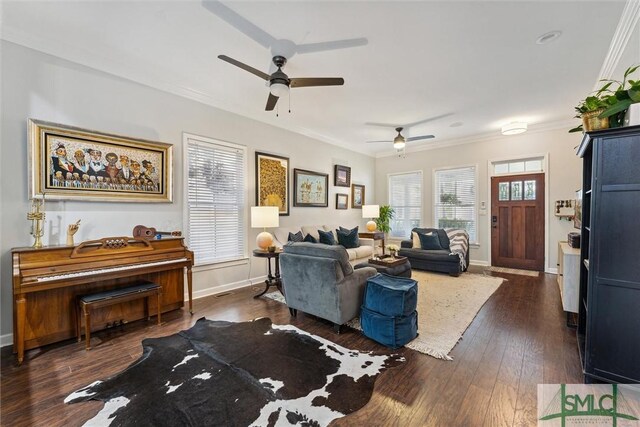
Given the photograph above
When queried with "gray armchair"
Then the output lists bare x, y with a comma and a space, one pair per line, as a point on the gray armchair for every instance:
318, 279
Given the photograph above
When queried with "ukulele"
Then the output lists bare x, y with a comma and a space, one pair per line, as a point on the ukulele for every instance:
150, 232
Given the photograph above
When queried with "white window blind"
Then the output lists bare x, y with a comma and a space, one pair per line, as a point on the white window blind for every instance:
216, 201
455, 199
405, 197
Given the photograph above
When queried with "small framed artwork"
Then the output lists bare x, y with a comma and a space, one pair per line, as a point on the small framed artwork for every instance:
342, 201
310, 189
357, 196
69, 163
272, 181
342, 176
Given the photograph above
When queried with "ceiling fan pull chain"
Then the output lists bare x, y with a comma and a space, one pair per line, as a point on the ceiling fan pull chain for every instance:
289, 102
277, 110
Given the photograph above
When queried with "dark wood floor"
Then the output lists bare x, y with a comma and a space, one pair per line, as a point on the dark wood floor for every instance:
518, 340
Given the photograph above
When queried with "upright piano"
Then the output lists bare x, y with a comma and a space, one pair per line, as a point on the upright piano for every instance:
46, 282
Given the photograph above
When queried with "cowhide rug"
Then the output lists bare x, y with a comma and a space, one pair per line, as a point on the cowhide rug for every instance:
237, 374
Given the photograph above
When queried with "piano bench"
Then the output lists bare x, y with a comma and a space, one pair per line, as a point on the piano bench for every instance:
114, 296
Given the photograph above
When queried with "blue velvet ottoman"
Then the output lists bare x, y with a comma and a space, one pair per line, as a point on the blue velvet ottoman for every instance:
388, 313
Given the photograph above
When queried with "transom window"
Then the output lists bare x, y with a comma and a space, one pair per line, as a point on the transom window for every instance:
516, 166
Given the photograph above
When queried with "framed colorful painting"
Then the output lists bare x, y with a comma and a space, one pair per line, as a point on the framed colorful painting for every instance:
272, 181
357, 196
310, 189
342, 176
69, 163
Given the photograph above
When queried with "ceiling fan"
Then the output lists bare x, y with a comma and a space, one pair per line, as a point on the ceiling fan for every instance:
279, 82
400, 141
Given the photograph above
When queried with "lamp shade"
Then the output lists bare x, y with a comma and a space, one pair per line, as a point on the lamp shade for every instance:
370, 211
514, 128
265, 216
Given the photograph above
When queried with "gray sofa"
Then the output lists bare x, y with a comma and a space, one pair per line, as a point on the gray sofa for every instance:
318, 279
442, 261
356, 255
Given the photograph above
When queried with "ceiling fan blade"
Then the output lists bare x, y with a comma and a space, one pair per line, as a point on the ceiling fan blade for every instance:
316, 81
336, 44
240, 23
271, 102
429, 119
245, 67
418, 138
371, 142
384, 125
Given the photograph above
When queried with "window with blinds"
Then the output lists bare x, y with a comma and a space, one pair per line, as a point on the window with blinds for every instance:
455, 199
216, 200
405, 197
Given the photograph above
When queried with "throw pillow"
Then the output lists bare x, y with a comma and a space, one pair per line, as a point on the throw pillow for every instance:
348, 238
295, 237
415, 240
326, 237
310, 239
429, 241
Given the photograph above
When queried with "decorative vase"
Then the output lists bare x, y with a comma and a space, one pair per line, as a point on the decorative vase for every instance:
591, 121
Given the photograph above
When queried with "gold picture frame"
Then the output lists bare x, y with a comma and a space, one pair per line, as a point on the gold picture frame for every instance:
272, 181
70, 163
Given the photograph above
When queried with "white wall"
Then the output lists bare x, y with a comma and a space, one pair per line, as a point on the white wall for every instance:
564, 175
36, 85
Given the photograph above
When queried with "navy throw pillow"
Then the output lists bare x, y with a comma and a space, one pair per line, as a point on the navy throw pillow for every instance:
348, 238
309, 238
326, 237
429, 241
295, 237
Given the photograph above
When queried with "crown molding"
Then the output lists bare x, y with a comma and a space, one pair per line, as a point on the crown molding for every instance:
488, 136
626, 26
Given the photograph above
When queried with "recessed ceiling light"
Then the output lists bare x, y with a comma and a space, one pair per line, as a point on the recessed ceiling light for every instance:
456, 124
514, 128
548, 37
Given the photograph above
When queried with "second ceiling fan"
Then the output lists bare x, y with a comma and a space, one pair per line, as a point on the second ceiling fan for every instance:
279, 82
400, 141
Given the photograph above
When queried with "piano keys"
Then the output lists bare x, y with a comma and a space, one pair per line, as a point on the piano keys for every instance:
47, 280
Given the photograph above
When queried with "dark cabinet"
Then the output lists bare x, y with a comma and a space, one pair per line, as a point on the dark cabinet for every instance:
609, 312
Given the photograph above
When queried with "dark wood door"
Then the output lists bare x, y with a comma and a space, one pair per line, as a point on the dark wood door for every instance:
517, 221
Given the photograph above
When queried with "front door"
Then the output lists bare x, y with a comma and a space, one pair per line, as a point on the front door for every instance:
517, 221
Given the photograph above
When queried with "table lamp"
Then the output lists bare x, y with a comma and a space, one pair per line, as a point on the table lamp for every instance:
371, 211
263, 217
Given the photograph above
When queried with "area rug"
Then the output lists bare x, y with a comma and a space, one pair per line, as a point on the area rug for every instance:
446, 307
513, 271
237, 374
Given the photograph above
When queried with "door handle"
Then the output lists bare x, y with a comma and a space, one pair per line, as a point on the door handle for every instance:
494, 221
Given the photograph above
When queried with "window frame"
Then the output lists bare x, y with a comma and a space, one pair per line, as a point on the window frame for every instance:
244, 257
475, 243
421, 173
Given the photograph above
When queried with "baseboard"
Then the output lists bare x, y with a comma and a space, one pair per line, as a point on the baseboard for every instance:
551, 270
213, 290
479, 263
6, 340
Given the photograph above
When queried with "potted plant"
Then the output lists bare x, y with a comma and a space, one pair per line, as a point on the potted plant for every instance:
607, 107
589, 110
620, 100
384, 218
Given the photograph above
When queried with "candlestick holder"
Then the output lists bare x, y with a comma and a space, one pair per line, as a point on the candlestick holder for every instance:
37, 216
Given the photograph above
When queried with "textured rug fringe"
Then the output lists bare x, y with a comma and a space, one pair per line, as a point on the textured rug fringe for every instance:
438, 354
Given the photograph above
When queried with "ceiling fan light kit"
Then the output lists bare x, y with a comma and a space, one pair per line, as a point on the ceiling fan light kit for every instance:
279, 82
514, 128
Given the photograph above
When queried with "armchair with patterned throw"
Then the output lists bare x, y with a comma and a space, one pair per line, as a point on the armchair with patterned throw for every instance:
437, 249
317, 279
